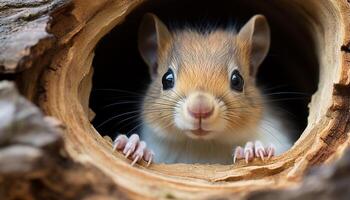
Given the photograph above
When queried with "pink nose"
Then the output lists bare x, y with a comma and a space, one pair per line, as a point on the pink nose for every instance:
201, 108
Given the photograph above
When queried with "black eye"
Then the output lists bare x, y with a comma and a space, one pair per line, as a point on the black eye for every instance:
237, 81
168, 80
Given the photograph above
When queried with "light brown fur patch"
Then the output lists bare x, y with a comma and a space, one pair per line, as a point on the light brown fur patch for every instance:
204, 62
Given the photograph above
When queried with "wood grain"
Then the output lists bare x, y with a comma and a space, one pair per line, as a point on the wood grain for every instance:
34, 163
60, 86
23, 32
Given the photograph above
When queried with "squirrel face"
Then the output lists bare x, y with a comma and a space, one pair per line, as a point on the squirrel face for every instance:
203, 84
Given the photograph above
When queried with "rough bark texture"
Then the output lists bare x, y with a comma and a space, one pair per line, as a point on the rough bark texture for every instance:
23, 32
40, 160
34, 163
322, 183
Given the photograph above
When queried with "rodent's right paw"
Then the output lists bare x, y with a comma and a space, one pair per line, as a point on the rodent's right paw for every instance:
133, 148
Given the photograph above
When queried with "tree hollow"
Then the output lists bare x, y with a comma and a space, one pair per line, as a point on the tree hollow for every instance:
63, 90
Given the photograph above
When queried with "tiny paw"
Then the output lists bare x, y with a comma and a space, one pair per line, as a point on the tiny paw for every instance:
133, 148
253, 150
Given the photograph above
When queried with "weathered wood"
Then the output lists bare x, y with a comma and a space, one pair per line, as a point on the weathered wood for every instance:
34, 164
60, 84
323, 183
23, 32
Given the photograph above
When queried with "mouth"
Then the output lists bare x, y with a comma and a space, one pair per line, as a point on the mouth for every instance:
200, 132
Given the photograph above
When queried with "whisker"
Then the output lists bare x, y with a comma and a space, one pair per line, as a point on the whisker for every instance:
142, 95
115, 117
142, 122
119, 103
137, 126
280, 93
233, 103
274, 87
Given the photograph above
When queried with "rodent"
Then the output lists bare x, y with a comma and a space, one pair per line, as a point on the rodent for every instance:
203, 104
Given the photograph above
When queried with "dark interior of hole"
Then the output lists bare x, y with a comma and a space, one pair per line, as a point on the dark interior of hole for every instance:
291, 65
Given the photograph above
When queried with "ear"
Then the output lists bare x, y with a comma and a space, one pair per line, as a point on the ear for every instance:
256, 34
152, 40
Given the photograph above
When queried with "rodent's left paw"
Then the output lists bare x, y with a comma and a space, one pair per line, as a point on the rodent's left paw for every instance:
133, 147
253, 150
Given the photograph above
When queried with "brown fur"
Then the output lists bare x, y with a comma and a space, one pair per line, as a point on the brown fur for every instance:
204, 62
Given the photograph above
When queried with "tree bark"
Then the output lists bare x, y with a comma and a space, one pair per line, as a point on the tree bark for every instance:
23, 32
34, 163
52, 42
323, 183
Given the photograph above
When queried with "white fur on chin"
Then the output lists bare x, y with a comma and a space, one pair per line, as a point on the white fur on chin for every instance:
179, 148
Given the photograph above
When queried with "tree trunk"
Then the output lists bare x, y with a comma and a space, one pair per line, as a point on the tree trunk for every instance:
49, 47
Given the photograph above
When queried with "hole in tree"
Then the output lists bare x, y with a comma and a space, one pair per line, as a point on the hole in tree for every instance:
289, 72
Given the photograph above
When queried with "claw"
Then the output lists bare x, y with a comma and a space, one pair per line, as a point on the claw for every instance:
149, 154
271, 151
248, 154
135, 160
150, 160
128, 153
237, 154
120, 142
261, 155
115, 145
259, 150
269, 155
